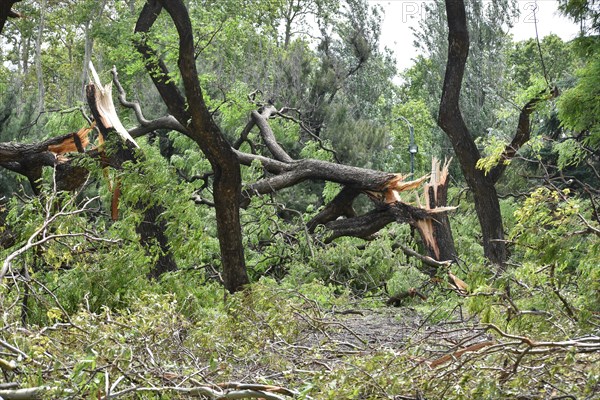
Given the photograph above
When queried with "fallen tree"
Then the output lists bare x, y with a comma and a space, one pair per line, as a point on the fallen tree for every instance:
338, 217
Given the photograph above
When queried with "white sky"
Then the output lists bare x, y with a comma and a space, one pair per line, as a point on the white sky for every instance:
400, 15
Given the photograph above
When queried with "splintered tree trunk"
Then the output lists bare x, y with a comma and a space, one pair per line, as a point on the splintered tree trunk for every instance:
435, 229
152, 228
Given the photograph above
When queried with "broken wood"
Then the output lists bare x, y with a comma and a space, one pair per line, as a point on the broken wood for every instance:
104, 110
123, 148
457, 354
29, 159
435, 231
458, 283
424, 259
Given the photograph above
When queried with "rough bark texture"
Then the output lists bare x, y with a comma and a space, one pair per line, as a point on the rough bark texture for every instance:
364, 226
193, 115
451, 121
383, 188
29, 159
340, 206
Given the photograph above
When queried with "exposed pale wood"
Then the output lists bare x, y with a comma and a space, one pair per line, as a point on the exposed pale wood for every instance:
435, 230
458, 283
457, 354
106, 107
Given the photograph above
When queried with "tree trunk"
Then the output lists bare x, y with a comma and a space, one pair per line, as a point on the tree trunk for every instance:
451, 121
435, 231
193, 115
89, 44
487, 207
38, 57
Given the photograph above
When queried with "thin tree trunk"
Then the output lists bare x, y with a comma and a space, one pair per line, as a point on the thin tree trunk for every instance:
87, 56
38, 56
24, 51
89, 45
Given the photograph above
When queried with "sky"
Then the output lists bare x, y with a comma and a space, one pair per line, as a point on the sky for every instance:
400, 15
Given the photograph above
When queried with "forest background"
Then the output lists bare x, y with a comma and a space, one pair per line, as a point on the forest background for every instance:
244, 225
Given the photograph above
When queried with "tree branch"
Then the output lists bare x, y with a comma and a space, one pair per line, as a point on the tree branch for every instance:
146, 126
7, 12
523, 133
267, 133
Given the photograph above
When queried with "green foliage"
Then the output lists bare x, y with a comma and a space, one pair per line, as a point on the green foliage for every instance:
579, 106
570, 153
494, 148
527, 65
425, 137
555, 252
94, 315
584, 12
63, 122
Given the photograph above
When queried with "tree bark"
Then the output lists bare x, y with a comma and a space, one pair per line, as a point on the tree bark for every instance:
451, 121
29, 159
7, 12
339, 217
38, 56
194, 116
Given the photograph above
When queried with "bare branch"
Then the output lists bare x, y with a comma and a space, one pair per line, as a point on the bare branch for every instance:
267, 133
32, 242
146, 126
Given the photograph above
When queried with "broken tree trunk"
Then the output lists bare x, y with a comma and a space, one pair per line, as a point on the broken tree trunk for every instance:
384, 189
29, 159
338, 217
435, 230
152, 228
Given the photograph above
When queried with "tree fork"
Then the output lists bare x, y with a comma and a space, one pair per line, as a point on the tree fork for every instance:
487, 205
